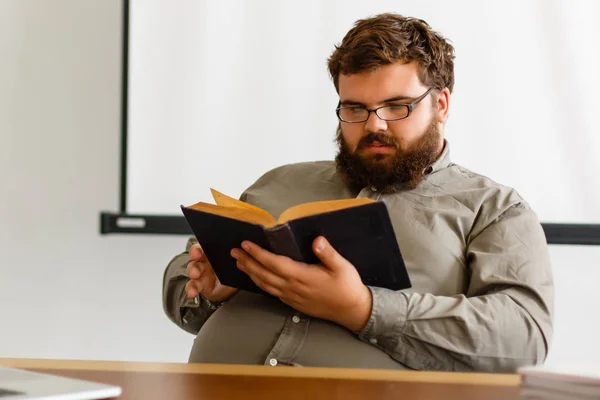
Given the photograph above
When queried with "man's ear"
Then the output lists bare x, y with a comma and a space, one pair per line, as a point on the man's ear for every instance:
443, 105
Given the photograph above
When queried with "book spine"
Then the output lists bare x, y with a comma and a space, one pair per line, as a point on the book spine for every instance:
282, 242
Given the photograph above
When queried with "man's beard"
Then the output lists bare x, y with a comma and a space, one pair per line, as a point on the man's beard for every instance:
403, 170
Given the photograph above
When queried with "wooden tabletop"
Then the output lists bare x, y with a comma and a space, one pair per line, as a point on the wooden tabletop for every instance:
211, 381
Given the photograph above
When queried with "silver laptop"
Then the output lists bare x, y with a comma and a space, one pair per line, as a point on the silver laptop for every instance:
17, 384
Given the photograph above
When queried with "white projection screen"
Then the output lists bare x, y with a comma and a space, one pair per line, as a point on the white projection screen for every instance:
219, 92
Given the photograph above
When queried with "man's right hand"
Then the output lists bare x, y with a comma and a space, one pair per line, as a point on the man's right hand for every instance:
203, 279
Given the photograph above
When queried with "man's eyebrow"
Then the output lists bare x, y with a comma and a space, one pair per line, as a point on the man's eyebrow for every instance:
398, 98
390, 100
351, 103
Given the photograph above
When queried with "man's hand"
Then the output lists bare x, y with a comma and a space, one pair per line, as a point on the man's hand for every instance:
203, 279
332, 290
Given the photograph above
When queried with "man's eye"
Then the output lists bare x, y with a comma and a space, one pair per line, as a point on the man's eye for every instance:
356, 110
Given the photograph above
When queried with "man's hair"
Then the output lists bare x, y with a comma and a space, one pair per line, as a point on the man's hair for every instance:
389, 38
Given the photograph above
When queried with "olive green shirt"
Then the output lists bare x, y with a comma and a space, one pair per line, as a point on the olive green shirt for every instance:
481, 300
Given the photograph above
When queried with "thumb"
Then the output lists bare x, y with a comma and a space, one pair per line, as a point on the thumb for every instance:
328, 255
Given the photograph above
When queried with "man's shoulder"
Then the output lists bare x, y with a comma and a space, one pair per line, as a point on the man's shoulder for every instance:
475, 179
292, 184
486, 202
463, 178
306, 170
479, 192
310, 166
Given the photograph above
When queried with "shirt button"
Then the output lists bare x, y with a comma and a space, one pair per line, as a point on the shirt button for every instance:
296, 319
273, 362
373, 341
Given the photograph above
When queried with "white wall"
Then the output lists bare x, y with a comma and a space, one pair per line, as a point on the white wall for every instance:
65, 290
577, 304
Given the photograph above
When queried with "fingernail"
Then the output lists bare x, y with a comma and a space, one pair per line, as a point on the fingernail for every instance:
234, 254
245, 246
320, 246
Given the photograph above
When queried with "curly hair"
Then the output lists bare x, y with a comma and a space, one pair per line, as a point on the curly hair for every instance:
389, 38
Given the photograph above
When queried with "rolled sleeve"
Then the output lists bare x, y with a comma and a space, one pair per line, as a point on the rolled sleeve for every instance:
388, 318
187, 313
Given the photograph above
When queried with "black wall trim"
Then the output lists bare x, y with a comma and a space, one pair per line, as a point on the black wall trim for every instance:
124, 105
586, 234
173, 225
143, 224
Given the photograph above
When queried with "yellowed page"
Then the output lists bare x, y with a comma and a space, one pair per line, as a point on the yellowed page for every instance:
241, 214
318, 207
226, 201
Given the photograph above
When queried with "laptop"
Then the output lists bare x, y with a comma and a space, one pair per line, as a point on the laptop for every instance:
18, 384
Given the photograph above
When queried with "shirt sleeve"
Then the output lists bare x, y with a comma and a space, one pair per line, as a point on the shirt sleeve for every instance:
503, 321
188, 314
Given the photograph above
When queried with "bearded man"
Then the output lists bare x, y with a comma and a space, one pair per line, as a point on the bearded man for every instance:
476, 253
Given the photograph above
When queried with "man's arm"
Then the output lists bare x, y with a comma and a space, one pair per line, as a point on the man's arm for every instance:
188, 314
504, 320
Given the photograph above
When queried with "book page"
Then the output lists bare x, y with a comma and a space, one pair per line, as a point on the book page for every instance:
238, 213
226, 201
318, 207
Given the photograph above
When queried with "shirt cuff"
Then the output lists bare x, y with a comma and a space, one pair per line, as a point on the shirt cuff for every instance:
190, 308
388, 318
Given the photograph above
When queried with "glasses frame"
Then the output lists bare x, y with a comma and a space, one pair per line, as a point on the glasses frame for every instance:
410, 107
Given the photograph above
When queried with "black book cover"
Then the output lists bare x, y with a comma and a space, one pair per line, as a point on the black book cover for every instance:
363, 235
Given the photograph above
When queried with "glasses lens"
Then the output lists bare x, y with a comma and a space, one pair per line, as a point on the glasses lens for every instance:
353, 114
393, 112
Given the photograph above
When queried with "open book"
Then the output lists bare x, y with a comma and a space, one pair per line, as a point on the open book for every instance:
359, 229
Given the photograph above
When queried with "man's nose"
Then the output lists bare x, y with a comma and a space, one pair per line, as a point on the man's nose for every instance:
375, 124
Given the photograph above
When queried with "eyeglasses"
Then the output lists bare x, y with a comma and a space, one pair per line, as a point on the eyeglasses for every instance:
394, 112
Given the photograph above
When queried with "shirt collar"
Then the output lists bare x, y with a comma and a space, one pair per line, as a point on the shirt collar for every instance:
443, 160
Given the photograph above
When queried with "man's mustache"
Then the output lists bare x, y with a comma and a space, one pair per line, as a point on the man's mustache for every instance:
385, 140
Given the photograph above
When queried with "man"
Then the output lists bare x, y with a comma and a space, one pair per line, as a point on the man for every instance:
476, 253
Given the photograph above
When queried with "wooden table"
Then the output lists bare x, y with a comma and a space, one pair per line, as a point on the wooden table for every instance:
207, 381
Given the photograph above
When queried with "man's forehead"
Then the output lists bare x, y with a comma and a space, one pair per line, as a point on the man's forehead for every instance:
389, 81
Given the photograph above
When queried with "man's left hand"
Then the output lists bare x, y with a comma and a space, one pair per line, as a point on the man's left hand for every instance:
332, 290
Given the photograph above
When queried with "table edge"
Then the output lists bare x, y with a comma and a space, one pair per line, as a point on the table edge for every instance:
471, 378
